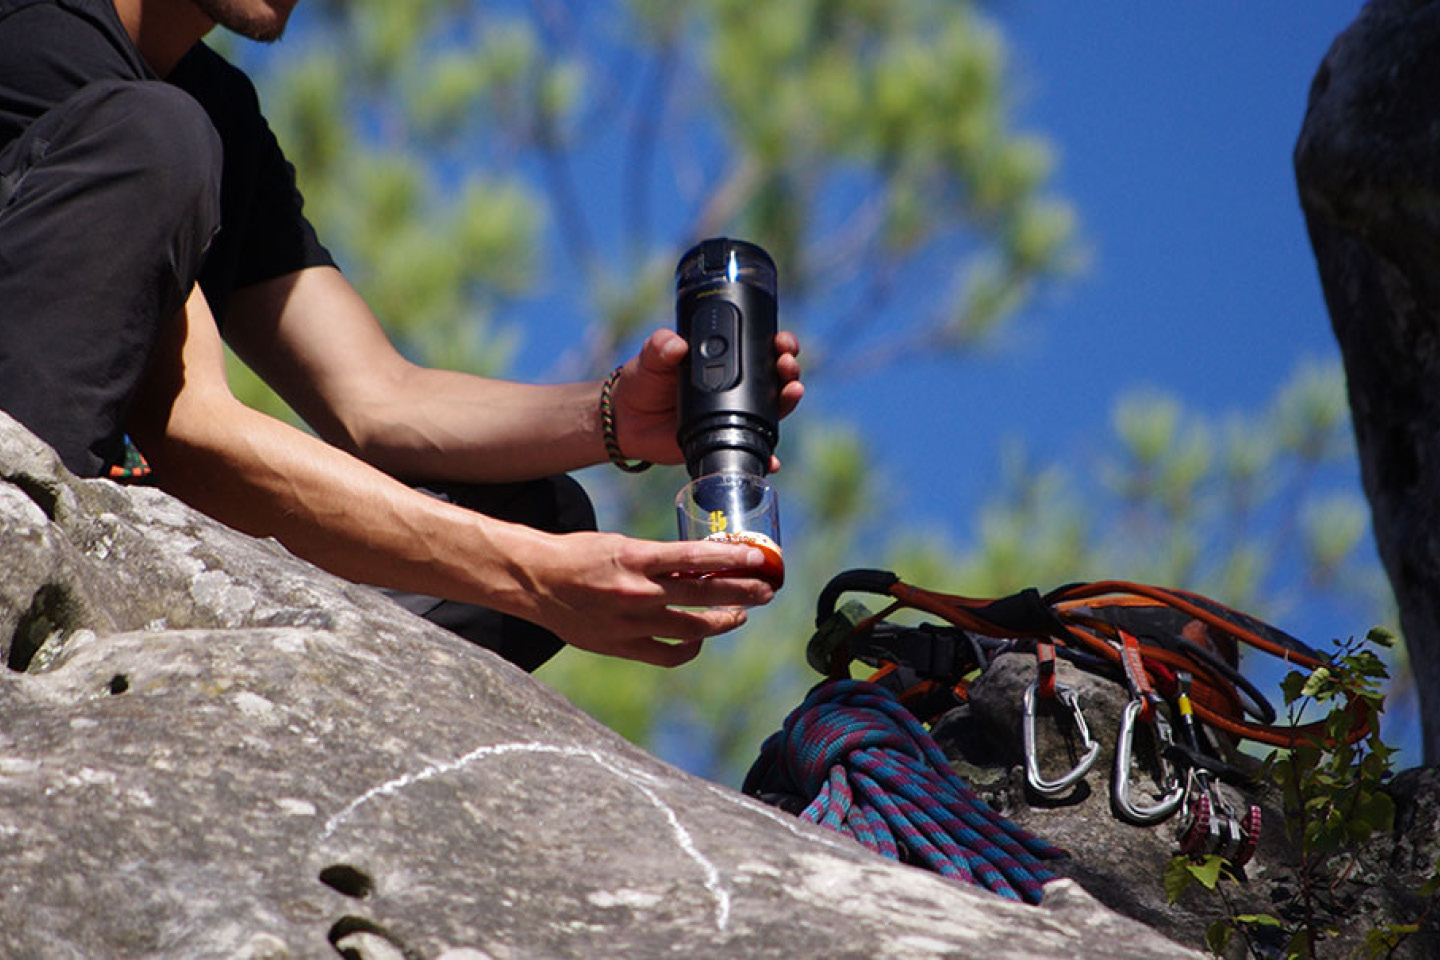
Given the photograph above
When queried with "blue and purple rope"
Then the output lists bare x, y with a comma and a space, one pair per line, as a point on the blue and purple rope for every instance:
869, 769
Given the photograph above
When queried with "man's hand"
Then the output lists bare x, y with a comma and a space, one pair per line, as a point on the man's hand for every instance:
646, 395
613, 595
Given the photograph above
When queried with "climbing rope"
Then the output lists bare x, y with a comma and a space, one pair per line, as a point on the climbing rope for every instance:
862, 764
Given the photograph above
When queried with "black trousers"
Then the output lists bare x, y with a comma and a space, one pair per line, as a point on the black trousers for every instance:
108, 203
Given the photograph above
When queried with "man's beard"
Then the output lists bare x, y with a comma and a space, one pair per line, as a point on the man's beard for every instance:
262, 20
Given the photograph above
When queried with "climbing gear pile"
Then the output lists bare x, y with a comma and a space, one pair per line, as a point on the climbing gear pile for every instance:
1170, 649
852, 758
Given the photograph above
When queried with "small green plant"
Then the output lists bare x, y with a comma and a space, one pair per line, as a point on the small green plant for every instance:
1334, 799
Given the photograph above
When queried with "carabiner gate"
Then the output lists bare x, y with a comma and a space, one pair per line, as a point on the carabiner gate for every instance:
1054, 788
1126, 805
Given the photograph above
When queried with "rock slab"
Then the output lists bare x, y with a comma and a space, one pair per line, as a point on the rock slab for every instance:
211, 749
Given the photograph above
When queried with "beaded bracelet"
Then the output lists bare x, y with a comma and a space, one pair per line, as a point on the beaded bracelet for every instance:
607, 426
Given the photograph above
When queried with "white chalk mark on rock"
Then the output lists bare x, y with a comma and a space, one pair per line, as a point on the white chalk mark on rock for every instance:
636, 778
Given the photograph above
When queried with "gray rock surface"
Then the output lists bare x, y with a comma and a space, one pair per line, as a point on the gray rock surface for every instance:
209, 748
1367, 162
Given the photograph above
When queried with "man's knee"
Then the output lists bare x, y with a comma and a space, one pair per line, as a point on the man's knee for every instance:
557, 504
154, 141
573, 509
111, 199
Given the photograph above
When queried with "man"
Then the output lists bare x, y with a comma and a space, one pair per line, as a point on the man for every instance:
118, 190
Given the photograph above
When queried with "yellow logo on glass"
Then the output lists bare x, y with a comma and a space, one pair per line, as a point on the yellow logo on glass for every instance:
718, 521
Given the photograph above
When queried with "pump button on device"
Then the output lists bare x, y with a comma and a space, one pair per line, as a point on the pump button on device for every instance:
714, 333
714, 376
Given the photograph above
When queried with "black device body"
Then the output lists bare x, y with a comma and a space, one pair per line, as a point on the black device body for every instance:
725, 308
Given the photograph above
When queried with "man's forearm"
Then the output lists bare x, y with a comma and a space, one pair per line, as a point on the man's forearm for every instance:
601, 592
314, 339
440, 425
270, 479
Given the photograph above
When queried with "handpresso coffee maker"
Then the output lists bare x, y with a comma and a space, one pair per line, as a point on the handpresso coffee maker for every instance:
729, 422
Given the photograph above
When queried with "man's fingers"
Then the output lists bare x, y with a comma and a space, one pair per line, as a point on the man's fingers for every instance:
727, 590
685, 632
663, 351
658, 653
694, 625
790, 395
701, 557
787, 365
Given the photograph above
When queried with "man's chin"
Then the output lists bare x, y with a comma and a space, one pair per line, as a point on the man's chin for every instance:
262, 20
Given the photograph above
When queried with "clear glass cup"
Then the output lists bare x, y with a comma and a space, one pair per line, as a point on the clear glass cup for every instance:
734, 508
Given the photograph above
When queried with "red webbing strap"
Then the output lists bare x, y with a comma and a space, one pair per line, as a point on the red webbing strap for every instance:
1214, 698
1176, 601
1045, 669
1131, 659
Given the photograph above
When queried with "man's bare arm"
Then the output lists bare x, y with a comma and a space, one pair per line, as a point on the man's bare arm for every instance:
602, 592
314, 339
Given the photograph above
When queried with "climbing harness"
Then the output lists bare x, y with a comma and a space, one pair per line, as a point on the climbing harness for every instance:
853, 758
1168, 648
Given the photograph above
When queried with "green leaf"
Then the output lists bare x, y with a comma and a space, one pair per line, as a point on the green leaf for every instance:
1293, 686
1384, 939
1207, 870
1318, 683
1382, 637
1217, 936
1377, 811
1178, 877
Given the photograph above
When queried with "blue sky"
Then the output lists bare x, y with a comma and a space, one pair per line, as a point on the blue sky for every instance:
1173, 126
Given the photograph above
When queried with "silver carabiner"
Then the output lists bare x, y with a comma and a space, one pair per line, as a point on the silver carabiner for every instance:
1129, 808
1054, 788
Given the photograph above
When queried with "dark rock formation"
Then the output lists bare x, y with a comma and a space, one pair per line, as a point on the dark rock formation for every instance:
1368, 166
210, 748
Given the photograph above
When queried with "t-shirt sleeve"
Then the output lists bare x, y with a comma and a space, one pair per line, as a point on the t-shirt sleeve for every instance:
282, 238
264, 232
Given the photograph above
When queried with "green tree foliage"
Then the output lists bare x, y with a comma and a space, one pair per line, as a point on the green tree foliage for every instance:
477, 165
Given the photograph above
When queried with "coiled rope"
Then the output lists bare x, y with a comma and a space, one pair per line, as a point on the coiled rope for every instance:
864, 766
